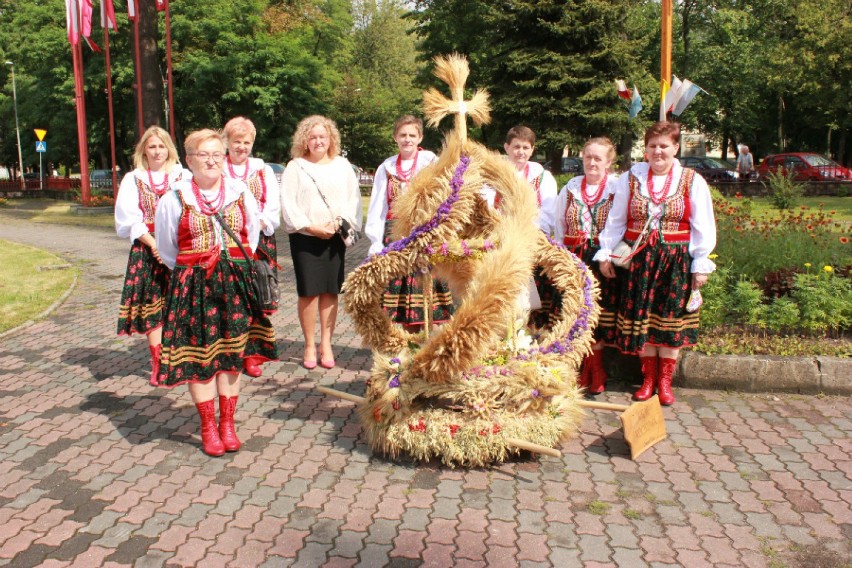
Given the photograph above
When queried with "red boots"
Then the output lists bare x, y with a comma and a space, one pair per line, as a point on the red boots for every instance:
657, 374
251, 366
210, 439
227, 433
585, 378
598, 374
649, 378
664, 388
155, 363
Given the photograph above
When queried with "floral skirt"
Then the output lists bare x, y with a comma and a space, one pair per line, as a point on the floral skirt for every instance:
609, 287
654, 291
267, 249
404, 301
143, 296
211, 324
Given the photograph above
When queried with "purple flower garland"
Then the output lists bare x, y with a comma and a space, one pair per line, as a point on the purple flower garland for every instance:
441, 214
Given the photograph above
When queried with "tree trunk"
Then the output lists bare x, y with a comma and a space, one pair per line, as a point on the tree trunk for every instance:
152, 82
625, 148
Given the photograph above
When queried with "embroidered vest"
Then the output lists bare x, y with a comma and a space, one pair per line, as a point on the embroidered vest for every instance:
148, 200
574, 231
257, 186
674, 220
197, 232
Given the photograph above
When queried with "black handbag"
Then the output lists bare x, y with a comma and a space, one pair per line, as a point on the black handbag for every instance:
264, 278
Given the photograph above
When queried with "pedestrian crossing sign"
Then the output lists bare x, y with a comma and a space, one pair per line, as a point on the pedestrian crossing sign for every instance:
41, 146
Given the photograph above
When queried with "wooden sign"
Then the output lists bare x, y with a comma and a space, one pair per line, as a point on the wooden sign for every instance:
643, 425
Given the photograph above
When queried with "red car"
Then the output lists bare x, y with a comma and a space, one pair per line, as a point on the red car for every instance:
807, 167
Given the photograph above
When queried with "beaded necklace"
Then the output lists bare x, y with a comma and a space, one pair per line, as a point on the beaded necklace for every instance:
592, 200
405, 175
205, 206
243, 177
158, 188
659, 197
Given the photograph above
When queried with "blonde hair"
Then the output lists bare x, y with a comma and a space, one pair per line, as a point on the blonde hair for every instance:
299, 149
140, 160
195, 139
602, 141
238, 126
405, 120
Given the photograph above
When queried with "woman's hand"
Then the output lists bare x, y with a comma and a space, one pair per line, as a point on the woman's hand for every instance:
148, 240
607, 268
323, 231
699, 280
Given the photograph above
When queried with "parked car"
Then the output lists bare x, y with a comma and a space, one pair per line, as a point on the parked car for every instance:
277, 169
806, 165
711, 169
567, 165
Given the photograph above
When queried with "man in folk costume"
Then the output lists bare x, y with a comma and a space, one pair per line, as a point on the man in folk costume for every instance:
404, 300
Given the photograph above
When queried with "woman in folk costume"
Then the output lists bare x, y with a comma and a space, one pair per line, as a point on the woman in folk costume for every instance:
404, 300
147, 278
581, 211
239, 138
656, 316
319, 190
212, 318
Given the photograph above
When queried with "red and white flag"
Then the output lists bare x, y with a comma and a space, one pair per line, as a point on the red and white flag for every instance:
131, 9
161, 5
72, 16
622, 89
86, 17
108, 15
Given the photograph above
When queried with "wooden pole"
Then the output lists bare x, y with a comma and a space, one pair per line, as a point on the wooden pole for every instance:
138, 60
169, 72
665, 53
80, 100
111, 113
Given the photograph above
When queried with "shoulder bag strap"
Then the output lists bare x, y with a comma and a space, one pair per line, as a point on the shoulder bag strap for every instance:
231, 234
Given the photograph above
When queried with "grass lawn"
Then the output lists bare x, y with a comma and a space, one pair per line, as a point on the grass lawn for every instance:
55, 212
30, 281
842, 206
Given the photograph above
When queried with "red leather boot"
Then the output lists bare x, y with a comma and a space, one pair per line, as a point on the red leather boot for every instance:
227, 407
664, 389
210, 439
598, 373
155, 363
251, 366
649, 378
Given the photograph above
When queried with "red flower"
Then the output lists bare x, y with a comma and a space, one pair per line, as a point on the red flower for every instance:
419, 427
454, 428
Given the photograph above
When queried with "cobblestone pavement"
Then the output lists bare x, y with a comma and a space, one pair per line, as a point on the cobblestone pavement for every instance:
99, 469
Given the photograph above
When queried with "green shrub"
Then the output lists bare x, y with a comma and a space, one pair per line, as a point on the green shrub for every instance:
714, 311
746, 303
784, 190
824, 300
782, 315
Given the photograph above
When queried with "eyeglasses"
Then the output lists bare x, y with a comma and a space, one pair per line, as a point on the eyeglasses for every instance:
204, 156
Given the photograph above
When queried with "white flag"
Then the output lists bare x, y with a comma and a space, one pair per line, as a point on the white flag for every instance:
689, 90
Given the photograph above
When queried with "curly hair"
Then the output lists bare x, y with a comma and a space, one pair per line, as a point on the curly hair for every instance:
140, 160
670, 129
239, 126
299, 149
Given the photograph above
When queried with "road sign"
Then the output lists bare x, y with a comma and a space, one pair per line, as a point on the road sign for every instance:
40, 133
41, 146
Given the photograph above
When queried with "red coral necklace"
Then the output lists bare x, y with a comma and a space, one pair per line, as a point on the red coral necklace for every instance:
592, 200
208, 207
158, 188
659, 197
243, 177
405, 175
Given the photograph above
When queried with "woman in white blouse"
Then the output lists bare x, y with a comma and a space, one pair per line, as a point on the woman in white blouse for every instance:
156, 168
239, 138
403, 300
671, 261
212, 317
319, 190
582, 208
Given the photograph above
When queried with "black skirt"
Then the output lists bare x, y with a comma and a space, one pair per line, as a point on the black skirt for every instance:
318, 264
